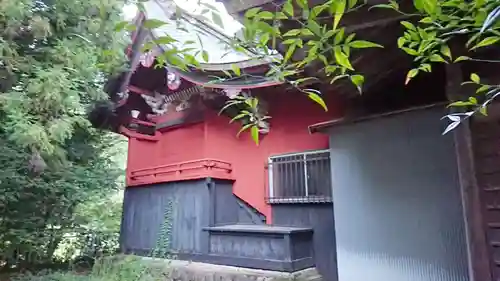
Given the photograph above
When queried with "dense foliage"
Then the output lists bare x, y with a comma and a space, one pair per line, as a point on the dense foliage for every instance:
54, 168
433, 33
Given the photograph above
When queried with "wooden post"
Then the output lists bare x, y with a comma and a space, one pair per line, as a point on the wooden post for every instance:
479, 262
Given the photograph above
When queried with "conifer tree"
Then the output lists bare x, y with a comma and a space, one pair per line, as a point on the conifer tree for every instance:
54, 63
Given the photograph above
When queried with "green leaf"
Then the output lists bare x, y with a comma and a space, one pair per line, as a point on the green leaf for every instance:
120, 26
255, 134
236, 69
147, 47
338, 77
317, 10
352, 3
153, 23
280, 16
290, 41
412, 73
316, 98
306, 32
289, 52
264, 38
462, 58
329, 33
244, 128
426, 20
472, 39
483, 110
408, 25
302, 3
338, 11
217, 19
266, 15
131, 27
436, 58
425, 67
253, 102
164, 40
401, 42
302, 80
342, 58
430, 6
339, 36
483, 88
204, 55
237, 117
252, 12
475, 78
419, 5
445, 50
323, 59
288, 8
410, 51
314, 27
349, 38
358, 81
460, 103
292, 32
486, 42
359, 44
473, 100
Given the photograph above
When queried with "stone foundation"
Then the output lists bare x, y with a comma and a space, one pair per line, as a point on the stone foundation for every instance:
195, 271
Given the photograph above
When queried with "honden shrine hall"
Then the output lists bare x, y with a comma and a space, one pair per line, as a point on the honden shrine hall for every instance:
368, 190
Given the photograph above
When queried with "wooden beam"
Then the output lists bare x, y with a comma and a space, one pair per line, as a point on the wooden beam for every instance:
479, 263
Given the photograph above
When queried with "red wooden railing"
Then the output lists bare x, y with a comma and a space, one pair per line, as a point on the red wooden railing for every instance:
194, 169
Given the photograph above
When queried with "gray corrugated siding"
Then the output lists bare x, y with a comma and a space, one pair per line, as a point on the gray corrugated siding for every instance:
397, 206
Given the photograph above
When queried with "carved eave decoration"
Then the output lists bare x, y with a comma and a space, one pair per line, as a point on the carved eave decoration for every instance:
147, 92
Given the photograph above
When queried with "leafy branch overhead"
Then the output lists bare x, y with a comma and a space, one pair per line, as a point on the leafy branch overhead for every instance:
436, 25
435, 35
297, 34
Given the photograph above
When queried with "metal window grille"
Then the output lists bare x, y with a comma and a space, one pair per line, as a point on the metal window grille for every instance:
300, 178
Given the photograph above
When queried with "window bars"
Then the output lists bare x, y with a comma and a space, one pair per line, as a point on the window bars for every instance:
300, 178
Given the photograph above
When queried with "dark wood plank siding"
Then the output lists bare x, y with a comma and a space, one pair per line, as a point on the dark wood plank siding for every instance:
190, 205
486, 144
224, 203
256, 246
144, 212
320, 218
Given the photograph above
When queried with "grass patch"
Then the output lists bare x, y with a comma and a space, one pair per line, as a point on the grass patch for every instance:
118, 268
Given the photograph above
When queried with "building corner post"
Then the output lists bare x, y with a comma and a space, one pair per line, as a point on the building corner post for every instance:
479, 263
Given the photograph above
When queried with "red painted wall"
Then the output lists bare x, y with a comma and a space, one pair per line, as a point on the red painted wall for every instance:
216, 139
289, 133
137, 149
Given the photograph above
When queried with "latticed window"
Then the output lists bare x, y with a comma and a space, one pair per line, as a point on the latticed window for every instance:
300, 177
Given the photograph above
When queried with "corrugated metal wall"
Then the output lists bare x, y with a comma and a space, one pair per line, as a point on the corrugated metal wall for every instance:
397, 206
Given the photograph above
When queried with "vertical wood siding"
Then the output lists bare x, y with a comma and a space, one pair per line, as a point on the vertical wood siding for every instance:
486, 146
144, 213
320, 218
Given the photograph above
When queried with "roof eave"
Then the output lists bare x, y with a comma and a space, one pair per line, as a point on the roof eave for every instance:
321, 127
